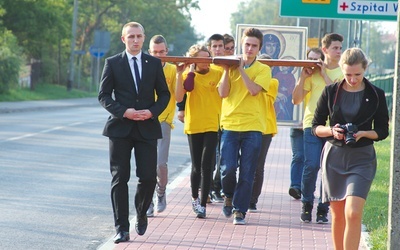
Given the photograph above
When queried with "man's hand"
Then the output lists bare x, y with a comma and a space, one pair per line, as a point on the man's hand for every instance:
138, 115
181, 116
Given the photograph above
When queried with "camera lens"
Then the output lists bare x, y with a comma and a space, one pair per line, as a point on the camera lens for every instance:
349, 140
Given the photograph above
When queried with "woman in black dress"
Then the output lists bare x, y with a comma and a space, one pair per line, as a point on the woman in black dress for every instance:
358, 116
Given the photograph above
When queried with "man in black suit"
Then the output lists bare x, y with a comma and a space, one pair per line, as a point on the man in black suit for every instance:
128, 85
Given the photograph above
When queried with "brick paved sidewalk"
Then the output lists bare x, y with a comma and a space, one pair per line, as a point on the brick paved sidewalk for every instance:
275, 226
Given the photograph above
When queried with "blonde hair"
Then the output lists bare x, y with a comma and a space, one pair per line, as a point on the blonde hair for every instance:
195, 49
354, 56
130, 25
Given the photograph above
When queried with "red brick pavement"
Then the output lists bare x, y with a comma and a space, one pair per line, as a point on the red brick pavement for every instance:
275, 226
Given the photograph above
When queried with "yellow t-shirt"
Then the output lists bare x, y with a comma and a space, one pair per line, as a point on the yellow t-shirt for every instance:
240, 110
169, 112
269, 114
217, 67
315, 84
203, 103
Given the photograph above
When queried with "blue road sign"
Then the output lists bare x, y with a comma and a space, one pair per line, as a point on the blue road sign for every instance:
97, 52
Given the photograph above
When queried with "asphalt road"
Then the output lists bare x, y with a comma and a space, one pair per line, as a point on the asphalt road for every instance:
54, 177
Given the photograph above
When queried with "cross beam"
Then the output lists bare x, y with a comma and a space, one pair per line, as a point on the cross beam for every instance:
235, 61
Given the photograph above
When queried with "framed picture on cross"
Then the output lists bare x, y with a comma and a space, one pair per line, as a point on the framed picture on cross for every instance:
286, 43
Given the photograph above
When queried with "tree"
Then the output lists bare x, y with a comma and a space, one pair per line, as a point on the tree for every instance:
169, 18
259, 12
42, 28
10, 57
10, 61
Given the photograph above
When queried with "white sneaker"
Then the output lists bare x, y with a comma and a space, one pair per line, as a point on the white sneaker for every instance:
195, 205
161, 203
150, 211
238, 218
201, 212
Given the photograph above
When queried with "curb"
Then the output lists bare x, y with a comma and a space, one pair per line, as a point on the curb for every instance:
26, 106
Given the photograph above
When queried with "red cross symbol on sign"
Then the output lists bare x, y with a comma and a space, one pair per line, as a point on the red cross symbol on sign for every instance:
344, 6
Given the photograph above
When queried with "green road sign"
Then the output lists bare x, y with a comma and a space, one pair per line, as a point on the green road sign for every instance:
382, 10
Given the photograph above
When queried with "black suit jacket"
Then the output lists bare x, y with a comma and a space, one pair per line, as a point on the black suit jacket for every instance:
118, 93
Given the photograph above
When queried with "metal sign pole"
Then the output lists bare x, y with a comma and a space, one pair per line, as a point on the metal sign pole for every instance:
394, 192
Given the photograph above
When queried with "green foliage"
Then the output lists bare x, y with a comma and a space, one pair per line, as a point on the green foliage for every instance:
10, 61
38, 25
44, 92
381, 50
259, 12
43, 29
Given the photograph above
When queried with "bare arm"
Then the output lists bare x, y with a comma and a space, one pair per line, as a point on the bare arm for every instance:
224, 85
338, 133
251, 86
179, 90
322, 71
324, 131
299, 93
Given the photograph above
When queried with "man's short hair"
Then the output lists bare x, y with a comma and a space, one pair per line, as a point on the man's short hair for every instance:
329, 38
157, 39
228, 38
253, 32
215, 37
318, 51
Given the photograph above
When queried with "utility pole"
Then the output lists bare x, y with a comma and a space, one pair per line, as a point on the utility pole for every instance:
72, 56
394, 188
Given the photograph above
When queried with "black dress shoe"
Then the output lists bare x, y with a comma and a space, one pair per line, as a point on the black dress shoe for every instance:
141, 224
121, 237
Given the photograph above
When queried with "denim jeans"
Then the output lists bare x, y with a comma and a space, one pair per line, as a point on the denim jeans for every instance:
259, 174
249, 146
297, 164
312, 154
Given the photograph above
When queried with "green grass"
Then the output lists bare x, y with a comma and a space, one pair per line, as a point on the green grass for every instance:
44, 92
376, 209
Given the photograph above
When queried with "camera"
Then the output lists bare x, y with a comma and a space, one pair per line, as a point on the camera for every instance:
349, 131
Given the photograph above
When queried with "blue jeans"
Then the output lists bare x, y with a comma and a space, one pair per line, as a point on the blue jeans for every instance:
249, 146
259, 173
297, 164
312, 154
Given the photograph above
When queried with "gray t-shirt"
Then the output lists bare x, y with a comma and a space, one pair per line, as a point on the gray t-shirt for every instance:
350, 103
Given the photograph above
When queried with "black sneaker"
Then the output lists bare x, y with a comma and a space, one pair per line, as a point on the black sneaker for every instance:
252, 208
227, 208
322, 218
306, 212
295, 193
216, 197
